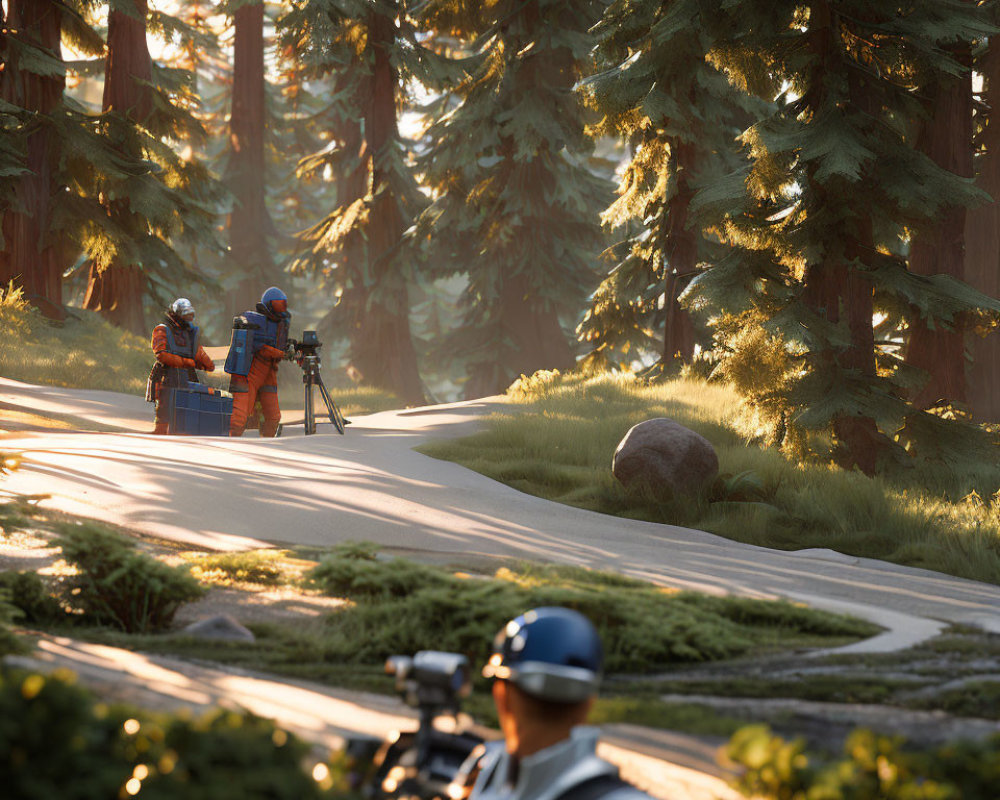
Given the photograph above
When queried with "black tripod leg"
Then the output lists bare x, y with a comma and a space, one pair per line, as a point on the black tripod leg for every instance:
335, 416
310, 420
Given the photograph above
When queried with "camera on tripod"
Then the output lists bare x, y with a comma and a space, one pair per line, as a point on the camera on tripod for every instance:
426, 764
431, 679
305, 353
308, 346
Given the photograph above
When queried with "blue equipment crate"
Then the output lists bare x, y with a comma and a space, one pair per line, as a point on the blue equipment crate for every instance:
199, 410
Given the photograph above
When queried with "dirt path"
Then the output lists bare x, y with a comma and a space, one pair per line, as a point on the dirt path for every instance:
370, 485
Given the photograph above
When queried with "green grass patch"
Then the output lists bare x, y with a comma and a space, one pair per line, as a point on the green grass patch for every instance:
250, 566
972, 699
559, 436
84, 352
654, 713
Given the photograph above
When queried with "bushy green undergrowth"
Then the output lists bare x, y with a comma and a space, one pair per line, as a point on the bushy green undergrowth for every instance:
558, 439
872, 768
34, 600
58, 742
402, 607
117, 585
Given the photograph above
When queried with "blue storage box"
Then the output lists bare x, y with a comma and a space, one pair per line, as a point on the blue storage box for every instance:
199, 410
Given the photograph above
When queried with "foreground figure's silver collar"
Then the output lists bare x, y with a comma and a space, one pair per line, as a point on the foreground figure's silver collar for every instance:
548, 773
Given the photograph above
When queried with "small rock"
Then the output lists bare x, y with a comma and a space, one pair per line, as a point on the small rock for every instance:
665, 457
221, 626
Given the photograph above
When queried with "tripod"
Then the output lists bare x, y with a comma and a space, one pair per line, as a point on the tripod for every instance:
311, 377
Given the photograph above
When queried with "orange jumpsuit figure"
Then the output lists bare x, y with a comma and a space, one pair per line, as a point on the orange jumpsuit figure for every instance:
260, 340
178, 354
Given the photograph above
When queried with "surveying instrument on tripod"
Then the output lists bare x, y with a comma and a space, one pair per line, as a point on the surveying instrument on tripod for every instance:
306, 355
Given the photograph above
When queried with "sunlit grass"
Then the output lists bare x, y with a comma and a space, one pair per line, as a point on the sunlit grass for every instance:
249, 566
84, 352
559, 435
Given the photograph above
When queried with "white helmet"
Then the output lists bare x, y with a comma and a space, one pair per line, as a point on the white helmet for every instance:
181, 307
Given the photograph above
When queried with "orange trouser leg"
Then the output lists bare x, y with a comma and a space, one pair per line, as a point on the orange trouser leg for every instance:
242, 403
269, 405
261, 383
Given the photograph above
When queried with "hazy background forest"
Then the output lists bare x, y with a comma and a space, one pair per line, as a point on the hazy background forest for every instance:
791, 197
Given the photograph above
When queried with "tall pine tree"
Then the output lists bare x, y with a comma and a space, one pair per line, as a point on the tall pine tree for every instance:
156, 202
982, 232
372, 50
837, 175
250, 226
517, 202
32, 84
680, 118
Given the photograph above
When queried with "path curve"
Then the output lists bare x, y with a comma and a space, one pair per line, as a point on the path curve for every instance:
370, 485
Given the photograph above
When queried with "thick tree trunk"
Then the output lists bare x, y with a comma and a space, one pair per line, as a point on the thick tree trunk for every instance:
117, 291
982, 250
939, 248
383, 351
30, 257
250, 223
682, 258
836, 289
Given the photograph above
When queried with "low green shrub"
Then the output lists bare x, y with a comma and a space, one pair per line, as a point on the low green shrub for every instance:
29, 594
117, 585
58, 743
401, 607
872, 768
9, 642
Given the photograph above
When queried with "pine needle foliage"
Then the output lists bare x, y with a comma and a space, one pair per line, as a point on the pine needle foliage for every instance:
835, 182
680, 117
119, 586
403, 606
369, 53
516, 191
105, 163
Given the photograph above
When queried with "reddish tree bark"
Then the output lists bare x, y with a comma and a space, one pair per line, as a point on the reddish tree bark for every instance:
835, 288
682, 260
31, 257
939, 248
117, 290
382, 351
982, 251
250, 222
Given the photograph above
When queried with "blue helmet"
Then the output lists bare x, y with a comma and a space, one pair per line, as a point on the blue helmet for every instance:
275, 301
551, 653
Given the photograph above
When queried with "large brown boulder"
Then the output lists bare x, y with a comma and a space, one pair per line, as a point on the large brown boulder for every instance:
664, 457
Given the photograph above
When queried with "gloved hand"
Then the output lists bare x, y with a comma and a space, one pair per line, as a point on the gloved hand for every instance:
189, 363
210, 367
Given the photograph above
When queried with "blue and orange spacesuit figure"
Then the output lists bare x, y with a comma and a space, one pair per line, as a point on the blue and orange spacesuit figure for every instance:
260, 341
178, 354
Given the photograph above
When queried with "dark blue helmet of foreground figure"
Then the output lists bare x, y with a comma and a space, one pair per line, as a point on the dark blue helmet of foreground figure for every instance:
551, 653
275, 301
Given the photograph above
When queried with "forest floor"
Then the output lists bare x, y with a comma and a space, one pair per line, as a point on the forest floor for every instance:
939, 686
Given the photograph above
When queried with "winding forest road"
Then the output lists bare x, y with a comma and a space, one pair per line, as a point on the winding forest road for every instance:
370, 485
